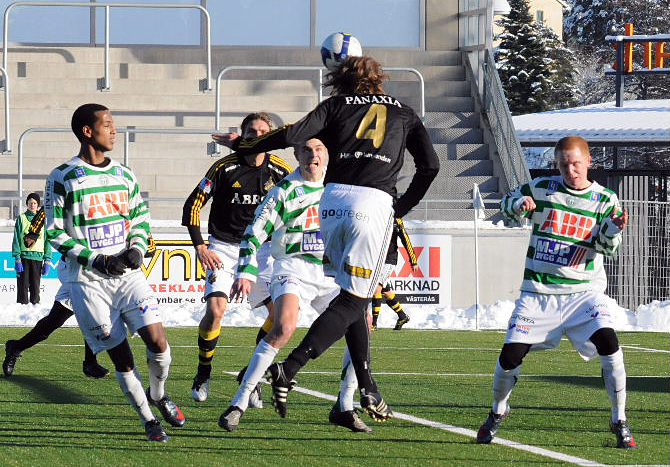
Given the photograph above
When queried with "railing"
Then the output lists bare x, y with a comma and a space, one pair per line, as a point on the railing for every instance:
126, 143
7, 143
500, 119
217, 97
105, 82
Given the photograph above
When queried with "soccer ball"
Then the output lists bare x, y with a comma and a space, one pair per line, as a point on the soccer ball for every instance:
337, 47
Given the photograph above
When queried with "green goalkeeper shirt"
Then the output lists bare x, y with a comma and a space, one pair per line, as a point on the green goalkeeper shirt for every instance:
93, 210
572, 230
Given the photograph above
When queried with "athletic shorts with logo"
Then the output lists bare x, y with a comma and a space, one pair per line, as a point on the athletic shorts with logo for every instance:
356, 224
221, 280
311, 285
542, 319
107, 310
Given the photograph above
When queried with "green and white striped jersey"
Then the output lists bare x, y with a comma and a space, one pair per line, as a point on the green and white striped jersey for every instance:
572, 230
290, 214
91, 211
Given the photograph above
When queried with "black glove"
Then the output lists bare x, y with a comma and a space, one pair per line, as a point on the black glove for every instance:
132, 258
110, 265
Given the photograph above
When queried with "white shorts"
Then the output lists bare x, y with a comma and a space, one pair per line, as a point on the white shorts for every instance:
542, 319
63, 294
315, 290
108, 309
384, 276
356, 224
221, 280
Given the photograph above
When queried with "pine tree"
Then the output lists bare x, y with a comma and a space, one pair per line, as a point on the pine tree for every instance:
564, 91
523, 63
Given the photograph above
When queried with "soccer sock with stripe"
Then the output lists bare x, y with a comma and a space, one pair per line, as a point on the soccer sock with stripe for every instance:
131, 385
503, 382
376, 307
614, 376
348, 383
159, 367
262, 358
392, 301
207, 344
264, 329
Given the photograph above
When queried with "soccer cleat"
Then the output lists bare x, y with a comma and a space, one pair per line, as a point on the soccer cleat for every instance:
373, 404
624, 437
200, 388
230, 418
373, 326
280, 387
94, 369
168, 409
402, 320
10, 358
256, 396
348, 419
490, 426
155, 431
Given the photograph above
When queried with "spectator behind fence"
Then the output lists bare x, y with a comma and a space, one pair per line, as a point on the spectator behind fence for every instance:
31, 262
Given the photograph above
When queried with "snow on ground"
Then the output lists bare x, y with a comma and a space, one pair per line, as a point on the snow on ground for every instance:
653, 317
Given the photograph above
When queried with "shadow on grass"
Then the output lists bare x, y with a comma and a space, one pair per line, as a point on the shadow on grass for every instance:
48, 391
633, 383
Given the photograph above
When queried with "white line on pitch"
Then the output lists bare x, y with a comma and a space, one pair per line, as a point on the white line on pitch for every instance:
645, 349
470, 433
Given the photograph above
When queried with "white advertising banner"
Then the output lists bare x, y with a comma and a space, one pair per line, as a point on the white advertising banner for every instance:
177, 277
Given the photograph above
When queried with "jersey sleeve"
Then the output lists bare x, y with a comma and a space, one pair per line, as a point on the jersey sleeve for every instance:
138, 236
267, 218
307, 127
196, 200
57, 210
16, 246
426, 163
508, 205
406, 242
609, 235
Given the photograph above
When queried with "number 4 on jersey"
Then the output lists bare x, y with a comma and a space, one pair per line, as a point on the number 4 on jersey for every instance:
375, 114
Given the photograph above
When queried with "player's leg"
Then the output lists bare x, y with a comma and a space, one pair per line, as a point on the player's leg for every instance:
22, 284
34, 270
287, 306
217, 287
147, 322
376, 306
41, 331
393, 302
104, 330
534, 321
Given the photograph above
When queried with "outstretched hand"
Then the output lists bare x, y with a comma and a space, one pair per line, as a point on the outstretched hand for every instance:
225, 139
621, 220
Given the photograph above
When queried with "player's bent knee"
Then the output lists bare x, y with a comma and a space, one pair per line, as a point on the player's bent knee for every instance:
605, 340
512, 355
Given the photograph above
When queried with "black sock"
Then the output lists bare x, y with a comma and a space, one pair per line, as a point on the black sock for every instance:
89, 356
358, 341
327, 329
261, 334
44, 327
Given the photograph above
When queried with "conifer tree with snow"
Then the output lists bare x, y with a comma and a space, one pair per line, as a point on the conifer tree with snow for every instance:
564, 91
522, 62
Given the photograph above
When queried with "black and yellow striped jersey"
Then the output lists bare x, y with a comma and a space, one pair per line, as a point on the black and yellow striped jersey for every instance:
366, 136
236, 189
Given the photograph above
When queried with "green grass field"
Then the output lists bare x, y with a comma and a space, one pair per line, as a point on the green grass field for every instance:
52, 415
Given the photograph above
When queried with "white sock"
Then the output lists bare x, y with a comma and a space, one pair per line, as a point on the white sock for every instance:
262, 358
159, 367
348, 383
131, 385
503, 382
614, 376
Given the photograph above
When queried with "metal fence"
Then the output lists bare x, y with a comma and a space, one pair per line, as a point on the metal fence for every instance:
640, 272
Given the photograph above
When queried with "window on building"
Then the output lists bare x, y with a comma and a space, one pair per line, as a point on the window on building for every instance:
539, 16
